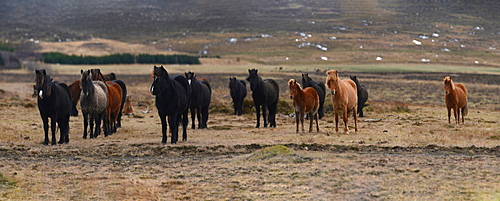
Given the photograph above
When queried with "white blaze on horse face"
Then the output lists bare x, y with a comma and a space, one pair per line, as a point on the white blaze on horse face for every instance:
152, 89
189, 81
40, 93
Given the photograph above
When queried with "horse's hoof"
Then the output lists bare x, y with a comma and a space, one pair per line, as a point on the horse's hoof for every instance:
174, 143
60, 142
163, 143
184, 139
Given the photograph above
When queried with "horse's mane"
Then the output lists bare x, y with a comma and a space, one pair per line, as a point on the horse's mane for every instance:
447, 80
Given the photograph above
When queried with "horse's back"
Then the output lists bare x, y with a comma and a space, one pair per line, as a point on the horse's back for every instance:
273, 90
462, 87
184, 93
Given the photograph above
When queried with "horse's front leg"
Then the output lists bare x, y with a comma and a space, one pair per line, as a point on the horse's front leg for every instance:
336, 121
449, 115
297, 114
302, 120
45, 121
173, 122
163, 129
257, 112
193, 116
53, 128
346, 120
455, 112
85, 124
199, 116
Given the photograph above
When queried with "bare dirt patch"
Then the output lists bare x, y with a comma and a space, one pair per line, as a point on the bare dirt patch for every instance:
404, 150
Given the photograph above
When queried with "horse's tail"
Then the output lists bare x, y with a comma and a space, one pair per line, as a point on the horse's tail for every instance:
465, 110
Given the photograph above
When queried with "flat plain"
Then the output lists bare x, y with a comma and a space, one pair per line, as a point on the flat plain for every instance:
405, 149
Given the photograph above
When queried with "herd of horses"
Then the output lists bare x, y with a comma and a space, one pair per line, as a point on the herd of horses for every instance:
103, 98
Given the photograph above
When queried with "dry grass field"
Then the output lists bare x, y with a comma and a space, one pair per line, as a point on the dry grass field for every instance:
405, 149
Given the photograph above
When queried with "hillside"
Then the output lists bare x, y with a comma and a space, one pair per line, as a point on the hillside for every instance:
361, 29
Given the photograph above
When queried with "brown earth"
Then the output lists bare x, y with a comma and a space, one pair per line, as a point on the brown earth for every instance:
405, 150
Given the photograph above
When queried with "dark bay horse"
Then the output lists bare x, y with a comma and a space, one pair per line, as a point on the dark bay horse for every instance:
75, 90
238, 91
115, 102
172, 99
201, 95
304, 101
54, 102
320, 89
94, 102
362, 95
112, 77
344, 98
456, 99
265, 93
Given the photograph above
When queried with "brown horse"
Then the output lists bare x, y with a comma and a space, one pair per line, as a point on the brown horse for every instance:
344, 98
304, 101
114, 102
127, 108
456, 99
75, 89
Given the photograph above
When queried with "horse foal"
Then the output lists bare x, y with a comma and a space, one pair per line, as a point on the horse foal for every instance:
456, 99
304, 101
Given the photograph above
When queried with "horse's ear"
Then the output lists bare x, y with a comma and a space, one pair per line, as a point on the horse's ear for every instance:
256, 71
81, 71
44, 72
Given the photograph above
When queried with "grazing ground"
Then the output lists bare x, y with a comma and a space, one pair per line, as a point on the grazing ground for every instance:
405, 150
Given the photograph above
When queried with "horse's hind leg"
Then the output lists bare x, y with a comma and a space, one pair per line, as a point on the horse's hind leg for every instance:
193, 117
355, 120
316, 116
185, 122
264, 111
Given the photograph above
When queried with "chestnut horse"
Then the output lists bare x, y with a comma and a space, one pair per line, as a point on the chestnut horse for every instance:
115, 95
304, 101
75, 89
456, 99
344, 98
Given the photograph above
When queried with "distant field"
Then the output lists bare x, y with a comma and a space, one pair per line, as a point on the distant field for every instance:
146, 69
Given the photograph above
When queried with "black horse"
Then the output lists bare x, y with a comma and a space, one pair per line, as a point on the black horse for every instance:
173, 95
319, 87
265, 94
362, 95
54, 102
238, 91
112, 77
201, 95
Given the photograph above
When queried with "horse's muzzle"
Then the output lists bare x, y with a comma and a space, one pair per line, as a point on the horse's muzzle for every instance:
332, 92
291, 97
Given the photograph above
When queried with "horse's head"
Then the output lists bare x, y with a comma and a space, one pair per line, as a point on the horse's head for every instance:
294, 88
190, 76
232, 82
253, 78
159, 76
355, 79
332, 80
96, 75
448, 85
86, 82
42, 83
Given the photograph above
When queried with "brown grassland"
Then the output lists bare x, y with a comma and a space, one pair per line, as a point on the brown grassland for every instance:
405, 149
